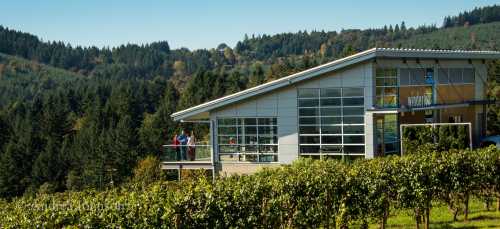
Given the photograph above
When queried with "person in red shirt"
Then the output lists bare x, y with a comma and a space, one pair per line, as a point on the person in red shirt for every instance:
175, 145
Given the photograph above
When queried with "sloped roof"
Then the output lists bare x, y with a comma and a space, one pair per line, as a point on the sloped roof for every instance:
333, 66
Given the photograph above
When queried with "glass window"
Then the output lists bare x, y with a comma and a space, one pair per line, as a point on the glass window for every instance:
308, 111
390, 101
329, 111
268, 140
353, 101
404, 79
248, 139
309, 149
250, 129
390, 91
443, 76
352, 139
417, 76
226, 122
309, 121
330, 102
331, 120
387, 85
227, 130
331, 129
309, 129
331, 149
456, 75
330, 92
273, 130
308, 102
250, 121
388, 82
352, 92
340, 111
468, 75
354, 149
309, 140
354, 111
267, 121
354, 129
353, 120
308, 93
331, 139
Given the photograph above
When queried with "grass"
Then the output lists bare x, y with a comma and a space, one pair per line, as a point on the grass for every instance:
441, 217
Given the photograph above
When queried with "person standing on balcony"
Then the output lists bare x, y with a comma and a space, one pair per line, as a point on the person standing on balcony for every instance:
175, 144
183, 139
191, 147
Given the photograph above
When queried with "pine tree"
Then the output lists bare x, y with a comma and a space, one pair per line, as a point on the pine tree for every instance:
122, 154
257, 76
48, 166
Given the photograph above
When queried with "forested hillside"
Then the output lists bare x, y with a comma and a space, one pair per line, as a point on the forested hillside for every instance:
78, 117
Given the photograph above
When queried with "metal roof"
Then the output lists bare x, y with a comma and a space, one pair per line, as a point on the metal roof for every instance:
332, 66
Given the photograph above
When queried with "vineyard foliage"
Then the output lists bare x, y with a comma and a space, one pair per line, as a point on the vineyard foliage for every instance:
308, 193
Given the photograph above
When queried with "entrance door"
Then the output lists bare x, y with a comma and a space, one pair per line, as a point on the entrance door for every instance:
387, 134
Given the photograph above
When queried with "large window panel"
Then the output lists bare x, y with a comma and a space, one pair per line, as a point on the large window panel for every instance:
358, 129
331, 92
455, 75
248, 139
308, 111
352, 92
326, 129
386, 86
353, 101
354, 111
417, 76
468, 75
447, 76
308, 102
331, 139
309, 129
308, 93
404, 78
331, 120
331, 111
443, 77
309, 121
354, 139
336, 122
309, 139
330, 102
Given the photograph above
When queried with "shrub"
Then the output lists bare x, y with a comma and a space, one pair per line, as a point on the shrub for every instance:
147, 171
308, 193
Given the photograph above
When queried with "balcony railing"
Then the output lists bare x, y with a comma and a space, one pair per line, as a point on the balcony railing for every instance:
184, 153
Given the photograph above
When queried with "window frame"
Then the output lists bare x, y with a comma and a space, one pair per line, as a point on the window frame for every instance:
447, 70
383, 77
320, 125
241, 135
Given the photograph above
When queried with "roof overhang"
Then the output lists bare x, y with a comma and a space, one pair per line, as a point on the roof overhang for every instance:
202, 110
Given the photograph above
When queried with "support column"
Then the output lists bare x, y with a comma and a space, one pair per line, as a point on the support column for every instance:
369, 135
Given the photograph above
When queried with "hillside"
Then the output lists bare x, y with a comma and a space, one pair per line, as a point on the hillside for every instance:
476, 37
23, 79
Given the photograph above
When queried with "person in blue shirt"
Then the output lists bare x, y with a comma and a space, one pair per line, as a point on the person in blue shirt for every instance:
183, 139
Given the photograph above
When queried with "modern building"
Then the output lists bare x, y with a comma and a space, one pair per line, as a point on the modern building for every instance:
351, 107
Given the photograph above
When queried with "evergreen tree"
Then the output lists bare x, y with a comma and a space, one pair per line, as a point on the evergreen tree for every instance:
257, 76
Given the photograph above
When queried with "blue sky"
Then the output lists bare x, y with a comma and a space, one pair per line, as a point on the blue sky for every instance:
205, 24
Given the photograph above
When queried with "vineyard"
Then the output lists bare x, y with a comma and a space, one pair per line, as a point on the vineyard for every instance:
309, 193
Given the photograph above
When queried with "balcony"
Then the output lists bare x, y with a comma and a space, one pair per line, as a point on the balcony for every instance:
187, 157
